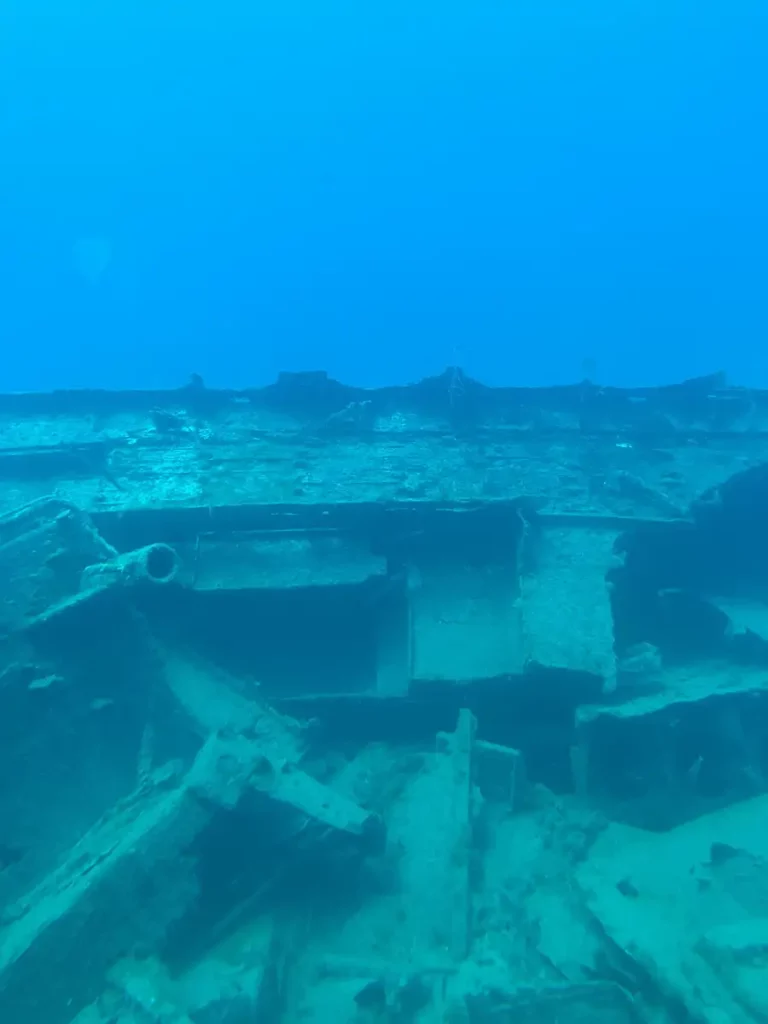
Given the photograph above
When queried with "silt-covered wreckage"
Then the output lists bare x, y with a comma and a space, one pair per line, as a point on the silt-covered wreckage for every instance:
439, 703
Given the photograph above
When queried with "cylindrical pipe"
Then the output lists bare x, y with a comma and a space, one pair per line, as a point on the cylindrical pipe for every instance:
153, 565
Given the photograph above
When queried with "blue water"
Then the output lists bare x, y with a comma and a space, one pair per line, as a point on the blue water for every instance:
381, 190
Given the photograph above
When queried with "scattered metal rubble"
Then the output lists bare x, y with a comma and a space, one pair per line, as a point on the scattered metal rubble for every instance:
395, 707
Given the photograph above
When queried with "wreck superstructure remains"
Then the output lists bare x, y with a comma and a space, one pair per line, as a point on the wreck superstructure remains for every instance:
330, 704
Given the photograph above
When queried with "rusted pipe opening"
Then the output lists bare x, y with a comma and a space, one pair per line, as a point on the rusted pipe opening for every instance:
161, 563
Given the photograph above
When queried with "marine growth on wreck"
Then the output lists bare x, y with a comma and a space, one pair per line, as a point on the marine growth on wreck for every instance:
427, 704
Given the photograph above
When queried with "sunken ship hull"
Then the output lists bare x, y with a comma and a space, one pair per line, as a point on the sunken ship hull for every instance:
405, 705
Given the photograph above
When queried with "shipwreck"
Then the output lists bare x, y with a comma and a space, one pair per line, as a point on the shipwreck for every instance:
438, 703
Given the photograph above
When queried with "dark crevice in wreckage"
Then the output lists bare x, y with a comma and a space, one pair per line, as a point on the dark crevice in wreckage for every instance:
397, 705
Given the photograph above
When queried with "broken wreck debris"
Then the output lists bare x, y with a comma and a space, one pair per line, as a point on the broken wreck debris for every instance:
410, 717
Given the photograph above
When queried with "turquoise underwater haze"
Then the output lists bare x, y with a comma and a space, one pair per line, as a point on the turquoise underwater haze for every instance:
532, 189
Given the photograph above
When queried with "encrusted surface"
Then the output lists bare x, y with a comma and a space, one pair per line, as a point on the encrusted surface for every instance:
307, 440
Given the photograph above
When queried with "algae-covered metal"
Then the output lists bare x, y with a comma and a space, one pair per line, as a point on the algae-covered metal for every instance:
308, 441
